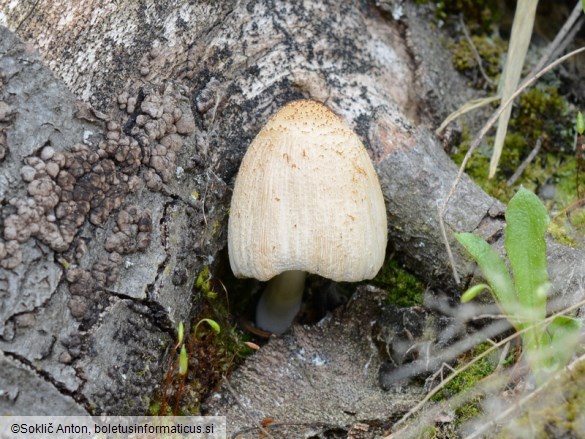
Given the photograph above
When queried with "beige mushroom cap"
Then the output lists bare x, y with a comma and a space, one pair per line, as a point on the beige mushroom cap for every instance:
307, 198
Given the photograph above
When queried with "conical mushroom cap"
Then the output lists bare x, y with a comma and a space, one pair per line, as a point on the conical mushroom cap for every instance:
307, 198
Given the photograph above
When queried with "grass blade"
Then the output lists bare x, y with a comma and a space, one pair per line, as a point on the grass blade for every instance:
465, 108
564, 337
519, 42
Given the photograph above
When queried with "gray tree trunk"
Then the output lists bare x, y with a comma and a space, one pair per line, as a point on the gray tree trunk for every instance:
116, 172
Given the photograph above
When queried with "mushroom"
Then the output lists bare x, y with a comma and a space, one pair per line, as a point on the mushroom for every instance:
306, 199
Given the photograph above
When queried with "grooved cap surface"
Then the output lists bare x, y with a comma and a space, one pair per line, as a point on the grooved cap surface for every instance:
307, 198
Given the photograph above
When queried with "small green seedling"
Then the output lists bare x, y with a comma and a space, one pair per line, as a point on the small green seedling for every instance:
523, 297
183, 361
180, 334
580, 122
212, 323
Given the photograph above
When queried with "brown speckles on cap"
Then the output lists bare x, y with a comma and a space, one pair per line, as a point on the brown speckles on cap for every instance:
300, 212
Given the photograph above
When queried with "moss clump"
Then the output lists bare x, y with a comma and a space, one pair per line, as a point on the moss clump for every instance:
429, 433
543, 113
404, 289
216, 229
490, 49
559, 231
568, 227
203, 284
471, 376
577, 219
540, 113
478, 166
467, 380
479, 14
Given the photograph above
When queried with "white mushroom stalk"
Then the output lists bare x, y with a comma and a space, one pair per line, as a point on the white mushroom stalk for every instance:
306, 199
281, 301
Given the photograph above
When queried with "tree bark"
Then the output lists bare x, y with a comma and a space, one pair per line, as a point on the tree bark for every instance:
115, 194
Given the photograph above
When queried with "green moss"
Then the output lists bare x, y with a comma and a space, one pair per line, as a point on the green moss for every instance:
203, 284
467, 380
428, 433
471, 376
478, 166
540, 113
468, 411
154, 407
568, 227
216, 229
404, 289
566, 180
578, 221
490, 49
479, 14
559, 231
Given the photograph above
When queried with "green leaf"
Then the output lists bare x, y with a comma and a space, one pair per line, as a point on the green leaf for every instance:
554, 348
580, 121
583, 5
183, 361
526, 224
493, 268
564, 337
474, 291
212, 323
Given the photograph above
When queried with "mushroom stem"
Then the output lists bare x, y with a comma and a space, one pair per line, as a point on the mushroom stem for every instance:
280, 301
